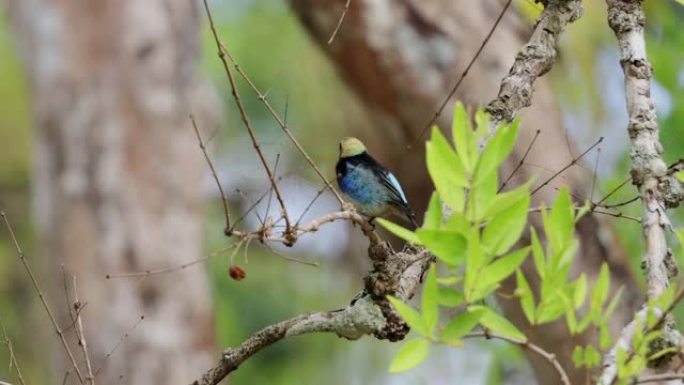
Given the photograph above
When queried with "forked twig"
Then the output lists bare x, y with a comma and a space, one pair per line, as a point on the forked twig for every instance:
247, 122
572, 163
121, 341
520, 163
80, 334
224, 199
223, 52
13, 358
36, 287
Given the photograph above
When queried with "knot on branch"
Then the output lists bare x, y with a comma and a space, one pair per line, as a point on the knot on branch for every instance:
669, 340
625, 16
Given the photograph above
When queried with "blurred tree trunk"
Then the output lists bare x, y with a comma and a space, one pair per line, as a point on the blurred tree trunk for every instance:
118, 176
402, 58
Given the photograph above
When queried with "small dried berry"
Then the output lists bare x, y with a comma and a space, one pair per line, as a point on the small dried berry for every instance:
236, 272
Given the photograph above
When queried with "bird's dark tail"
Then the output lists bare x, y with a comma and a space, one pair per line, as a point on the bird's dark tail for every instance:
411, 217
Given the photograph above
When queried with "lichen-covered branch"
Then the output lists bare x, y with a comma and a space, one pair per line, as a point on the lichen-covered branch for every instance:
534, 59
648, 171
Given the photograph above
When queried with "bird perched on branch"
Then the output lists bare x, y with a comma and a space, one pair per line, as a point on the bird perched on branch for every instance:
371, 187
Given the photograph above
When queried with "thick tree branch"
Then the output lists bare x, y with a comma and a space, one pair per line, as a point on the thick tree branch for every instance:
534, 60
649, 172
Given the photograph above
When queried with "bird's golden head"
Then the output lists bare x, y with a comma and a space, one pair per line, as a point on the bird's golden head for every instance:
351, 147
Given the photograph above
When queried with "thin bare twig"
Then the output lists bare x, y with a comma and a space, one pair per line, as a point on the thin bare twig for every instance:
121, 341
10, 350
572, 163
339, 22
614, 190
308, 207
549, 357
164, 270
223, 52
224, 199
79, 332
520, 163
36, 287
248, 123
463, 74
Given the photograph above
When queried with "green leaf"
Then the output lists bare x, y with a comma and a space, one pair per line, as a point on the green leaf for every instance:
433, 215
449, 297
463, 137
605, 340
411, 354
495, 151
429, 304
410, 316
498, 270
578, 356
462, 324
482, 195
446, 171
591, 356
600, 292
459, 223
538, 254
501, 325
507, 199
526, 296
612, 304
448, 246
474, 263
407, 235
580, 293
561, 221
506, 227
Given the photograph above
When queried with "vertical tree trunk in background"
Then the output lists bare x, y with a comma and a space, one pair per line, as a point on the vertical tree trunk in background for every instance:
118, 175
402, 58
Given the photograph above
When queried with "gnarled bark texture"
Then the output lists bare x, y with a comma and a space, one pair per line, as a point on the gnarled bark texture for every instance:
401, 58
118, 175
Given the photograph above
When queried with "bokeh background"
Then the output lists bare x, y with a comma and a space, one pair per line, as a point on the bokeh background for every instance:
319, 95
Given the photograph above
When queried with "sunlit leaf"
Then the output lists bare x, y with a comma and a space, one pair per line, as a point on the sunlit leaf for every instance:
561, 221
449, 297
580, 293
446, 171
462, 324
405, 234
410, 316
411, 354
500, 325
578, 356
433, 214
429, 306
526, 296
498, 270
463, 136
506, 227
448, 246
